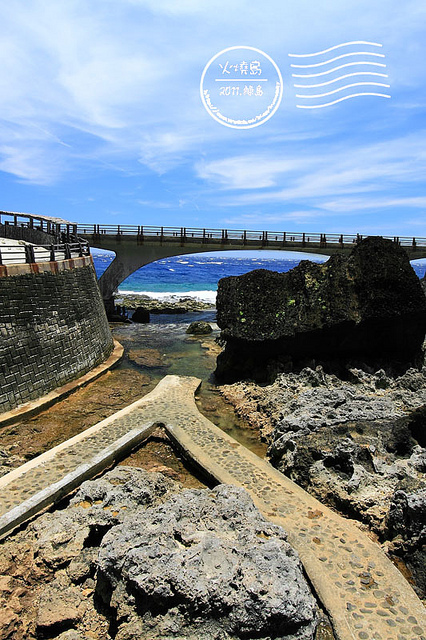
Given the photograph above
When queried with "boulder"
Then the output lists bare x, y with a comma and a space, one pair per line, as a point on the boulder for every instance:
141, 315
368, 307
134, 556
204, 565
199, 328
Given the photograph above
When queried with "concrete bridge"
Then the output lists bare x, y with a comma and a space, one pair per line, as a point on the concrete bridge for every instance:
137, 245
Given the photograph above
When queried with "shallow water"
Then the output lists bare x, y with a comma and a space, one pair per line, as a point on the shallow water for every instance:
164, 348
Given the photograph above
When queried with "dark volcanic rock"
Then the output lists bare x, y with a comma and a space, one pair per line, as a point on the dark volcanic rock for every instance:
141, 315
199, 327
368, 307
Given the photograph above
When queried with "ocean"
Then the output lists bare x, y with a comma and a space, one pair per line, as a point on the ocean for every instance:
197, 275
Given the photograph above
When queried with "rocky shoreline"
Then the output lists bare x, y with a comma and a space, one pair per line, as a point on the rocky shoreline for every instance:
173, 304
358, 445
82, 570
205, 565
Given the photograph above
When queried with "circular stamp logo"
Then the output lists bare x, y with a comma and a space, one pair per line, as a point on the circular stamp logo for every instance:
241, 87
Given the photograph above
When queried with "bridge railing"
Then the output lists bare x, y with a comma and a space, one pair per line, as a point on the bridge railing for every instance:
237, 236
71, 232
27, 253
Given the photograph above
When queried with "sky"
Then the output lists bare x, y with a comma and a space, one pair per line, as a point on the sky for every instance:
101, 118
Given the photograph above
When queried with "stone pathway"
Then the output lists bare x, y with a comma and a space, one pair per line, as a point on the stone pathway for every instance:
366, 597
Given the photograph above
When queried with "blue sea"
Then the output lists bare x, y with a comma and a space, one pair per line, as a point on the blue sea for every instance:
197, 275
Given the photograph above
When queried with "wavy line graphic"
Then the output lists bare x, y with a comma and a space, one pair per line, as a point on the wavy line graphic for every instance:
337, 46
363, 84
344, 55
328, 104
347, 75
347, 86
342, 66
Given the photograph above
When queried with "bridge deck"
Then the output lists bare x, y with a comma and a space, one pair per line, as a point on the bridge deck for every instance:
364, 594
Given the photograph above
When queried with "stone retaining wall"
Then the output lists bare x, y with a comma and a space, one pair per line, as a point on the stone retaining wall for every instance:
53, 327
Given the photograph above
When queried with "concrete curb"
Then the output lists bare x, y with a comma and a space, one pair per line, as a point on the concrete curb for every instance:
54, 492
48, 266
35, 406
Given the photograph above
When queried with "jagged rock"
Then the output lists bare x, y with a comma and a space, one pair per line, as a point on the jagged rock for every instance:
407, 513
204, 565
65, 538
79, 571
199, 327
141, 314
368, 307
358, 445
60, 605
71, 634
174, 304
406, 528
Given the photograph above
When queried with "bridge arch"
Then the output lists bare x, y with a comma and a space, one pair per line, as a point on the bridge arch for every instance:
133, 252
137, 246
129, 258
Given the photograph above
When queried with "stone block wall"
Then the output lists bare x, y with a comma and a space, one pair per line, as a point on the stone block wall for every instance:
53, 327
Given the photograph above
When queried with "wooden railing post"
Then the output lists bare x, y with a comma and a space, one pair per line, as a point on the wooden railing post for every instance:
29, 254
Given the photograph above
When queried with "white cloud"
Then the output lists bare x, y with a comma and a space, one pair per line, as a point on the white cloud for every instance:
253, 171
30, 164
333, 179
115, 84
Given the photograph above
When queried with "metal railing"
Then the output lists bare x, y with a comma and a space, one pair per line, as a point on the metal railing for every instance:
71, 232
234, 236
30, 254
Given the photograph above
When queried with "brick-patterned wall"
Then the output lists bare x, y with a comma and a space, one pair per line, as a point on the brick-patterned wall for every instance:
53, 328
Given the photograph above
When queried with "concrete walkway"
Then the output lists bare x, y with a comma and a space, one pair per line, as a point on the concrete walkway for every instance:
365, 596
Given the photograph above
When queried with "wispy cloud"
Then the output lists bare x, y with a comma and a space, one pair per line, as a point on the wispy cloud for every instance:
334, 179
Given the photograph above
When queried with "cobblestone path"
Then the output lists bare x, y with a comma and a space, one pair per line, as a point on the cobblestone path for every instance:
366, 597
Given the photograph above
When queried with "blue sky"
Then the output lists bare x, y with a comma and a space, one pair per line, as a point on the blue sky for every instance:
101, 118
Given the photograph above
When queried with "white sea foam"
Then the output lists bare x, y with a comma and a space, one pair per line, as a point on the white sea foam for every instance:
203, 296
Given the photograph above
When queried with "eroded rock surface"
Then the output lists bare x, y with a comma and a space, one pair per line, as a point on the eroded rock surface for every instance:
358, 445
133, 556
368, 307
174, 304
205, 565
